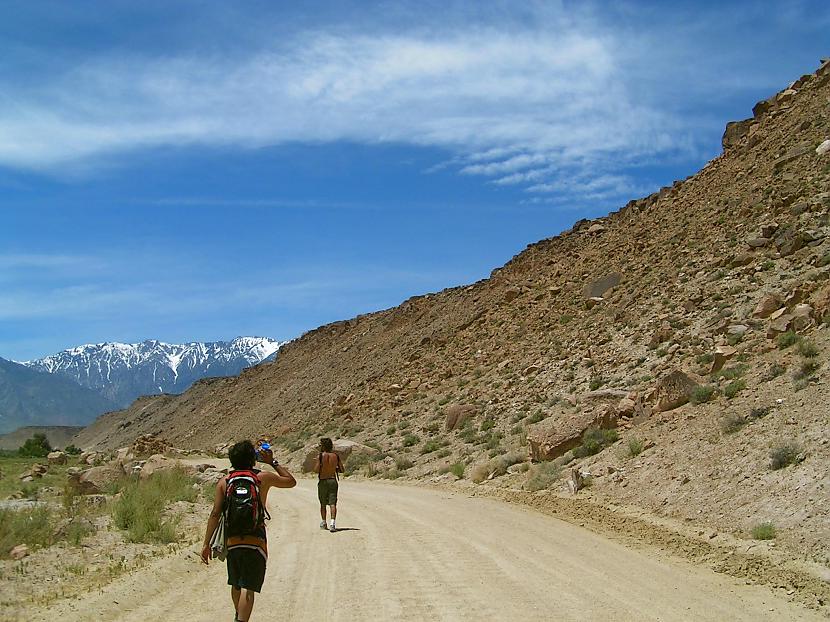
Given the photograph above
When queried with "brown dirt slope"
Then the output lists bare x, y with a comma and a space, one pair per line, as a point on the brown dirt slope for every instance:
528, 348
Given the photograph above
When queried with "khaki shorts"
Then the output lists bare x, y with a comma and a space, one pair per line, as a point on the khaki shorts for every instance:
327, 491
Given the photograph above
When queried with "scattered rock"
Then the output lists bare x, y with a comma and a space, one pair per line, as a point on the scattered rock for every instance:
457, 414
721, 355
97, 479
19, 552
56, 457
735, 132
823, 148
511, 294
768, 305
674, 390
597, 289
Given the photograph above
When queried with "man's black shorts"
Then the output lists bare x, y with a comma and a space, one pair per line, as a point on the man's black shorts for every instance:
246, 569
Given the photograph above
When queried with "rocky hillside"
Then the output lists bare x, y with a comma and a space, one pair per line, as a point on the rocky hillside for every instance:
121, 372
693, 321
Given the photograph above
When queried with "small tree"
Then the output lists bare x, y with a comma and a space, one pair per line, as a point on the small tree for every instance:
36, 447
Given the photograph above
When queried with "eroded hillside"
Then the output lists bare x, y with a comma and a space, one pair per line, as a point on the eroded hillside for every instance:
585, 328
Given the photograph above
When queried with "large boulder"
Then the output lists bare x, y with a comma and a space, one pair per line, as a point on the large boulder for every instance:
158, 463
768, 305
457, 414
559, 434
342, 447
149, 444
95, 480
674, 390
735, 131
56, 457
597, 289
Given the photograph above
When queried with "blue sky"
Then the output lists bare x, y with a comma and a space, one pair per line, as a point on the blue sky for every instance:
201, 170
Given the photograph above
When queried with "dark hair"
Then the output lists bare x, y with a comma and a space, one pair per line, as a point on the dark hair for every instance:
242, 455
326, 444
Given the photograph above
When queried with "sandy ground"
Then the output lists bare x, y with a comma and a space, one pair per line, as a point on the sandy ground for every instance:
405, 553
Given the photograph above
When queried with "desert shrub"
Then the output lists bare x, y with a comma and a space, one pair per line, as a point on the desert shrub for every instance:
139, 509
595, 383
807, 349
759, 412
457, 469
705, 359
565, 319
72, 450
763, 531
431, 446
411, 439
785, 340
392, 473
542, 476
734, 387
773, 371
536, 417
702, 394
487, 424
784, 454
731, 372
635, 447
496, 466
595, 440
402, 463
30, 526
356, 461
805, 370
35, 447
443, 453
391, 430
731, 423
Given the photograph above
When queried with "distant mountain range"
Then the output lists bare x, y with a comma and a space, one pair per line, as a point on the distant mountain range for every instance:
121, 372
73, 387
28, 397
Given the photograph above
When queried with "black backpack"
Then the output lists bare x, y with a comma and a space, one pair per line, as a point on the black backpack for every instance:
244, 512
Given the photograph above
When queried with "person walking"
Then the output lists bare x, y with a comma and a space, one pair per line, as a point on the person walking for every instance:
240, 498
327, 466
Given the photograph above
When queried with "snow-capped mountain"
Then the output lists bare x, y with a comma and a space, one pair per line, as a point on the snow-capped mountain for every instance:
122, 372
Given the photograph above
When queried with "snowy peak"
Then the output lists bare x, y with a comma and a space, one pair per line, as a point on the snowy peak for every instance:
125, 371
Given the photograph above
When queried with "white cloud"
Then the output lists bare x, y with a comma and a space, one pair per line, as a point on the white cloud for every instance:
520, 104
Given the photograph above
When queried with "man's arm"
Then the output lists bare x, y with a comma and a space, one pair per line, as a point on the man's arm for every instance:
281, 479
213, 519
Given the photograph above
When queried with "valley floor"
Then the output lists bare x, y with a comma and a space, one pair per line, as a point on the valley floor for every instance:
406, 553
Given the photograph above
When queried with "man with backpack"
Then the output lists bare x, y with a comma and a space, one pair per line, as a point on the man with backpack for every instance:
241, 499
327, 466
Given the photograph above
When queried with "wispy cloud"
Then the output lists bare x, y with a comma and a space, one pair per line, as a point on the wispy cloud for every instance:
518, 104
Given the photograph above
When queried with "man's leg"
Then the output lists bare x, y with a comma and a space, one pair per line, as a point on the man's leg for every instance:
333, 516
246, 605
235, 599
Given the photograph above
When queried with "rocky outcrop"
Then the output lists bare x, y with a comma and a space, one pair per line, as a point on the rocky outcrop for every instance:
559, 434
457, 414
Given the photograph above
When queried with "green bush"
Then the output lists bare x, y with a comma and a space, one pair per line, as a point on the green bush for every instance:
595, 440
35, 447
536, 417
139, 509
542, 476
457, 469
635, 447
702, 394
411, 439
784, 454
734, 387
595, 383
807, 349
785, 340
763, 531
731, 423
773, 371
72, 450
30, 526
430, 446
402, 463
487, 424
732, 372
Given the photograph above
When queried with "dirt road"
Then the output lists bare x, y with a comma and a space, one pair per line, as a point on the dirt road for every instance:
406, 553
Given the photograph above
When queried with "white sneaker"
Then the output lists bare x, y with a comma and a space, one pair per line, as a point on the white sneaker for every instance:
323, 524
333, 528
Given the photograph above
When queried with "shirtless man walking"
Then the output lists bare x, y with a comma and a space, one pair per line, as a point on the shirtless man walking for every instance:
327, 466
248, 552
